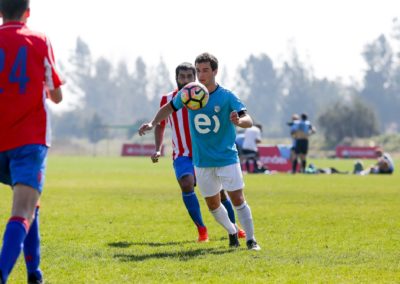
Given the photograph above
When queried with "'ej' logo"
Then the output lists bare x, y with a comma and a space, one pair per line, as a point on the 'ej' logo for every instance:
203, 123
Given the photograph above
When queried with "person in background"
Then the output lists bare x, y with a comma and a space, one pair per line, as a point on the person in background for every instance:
293, 156
249, 149
300, 132
384, 164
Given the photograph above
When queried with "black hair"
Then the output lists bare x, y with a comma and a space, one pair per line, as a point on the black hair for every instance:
185, 66
207, 57
259, 126
304, 116
13, 9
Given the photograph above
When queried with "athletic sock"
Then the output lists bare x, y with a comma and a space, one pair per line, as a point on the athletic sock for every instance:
294, 166
229, 208
303, 166
32, 247
193, 207
13, 240
221, 216
246, 220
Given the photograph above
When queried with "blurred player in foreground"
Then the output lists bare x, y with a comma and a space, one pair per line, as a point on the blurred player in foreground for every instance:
27, 77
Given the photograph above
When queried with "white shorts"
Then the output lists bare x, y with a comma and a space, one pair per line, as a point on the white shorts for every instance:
211, 180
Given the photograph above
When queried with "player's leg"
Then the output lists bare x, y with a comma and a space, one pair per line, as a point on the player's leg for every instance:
228, 206
185, 174
32, 250
232, 180
231, 213
294, 157
303, 155
210, 188
24, 201
27, 166
303, 162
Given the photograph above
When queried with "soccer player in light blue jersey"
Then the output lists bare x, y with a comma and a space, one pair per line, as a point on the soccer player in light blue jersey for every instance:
215, 156
300, 131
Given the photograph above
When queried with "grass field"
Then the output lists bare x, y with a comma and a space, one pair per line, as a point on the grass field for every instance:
121, 220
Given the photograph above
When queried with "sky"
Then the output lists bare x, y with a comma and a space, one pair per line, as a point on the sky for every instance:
329, 35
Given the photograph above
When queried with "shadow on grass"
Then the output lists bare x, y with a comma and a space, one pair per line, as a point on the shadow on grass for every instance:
150, 244
181, 255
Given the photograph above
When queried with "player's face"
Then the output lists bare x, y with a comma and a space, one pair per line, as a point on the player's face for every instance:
205, 74
184, 77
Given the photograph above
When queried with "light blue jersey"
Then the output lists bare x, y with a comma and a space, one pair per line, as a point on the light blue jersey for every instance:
213, 134
301, 125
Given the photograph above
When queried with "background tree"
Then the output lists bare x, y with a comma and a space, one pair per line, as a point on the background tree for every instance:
353, 119
160, 82
259, 86
378, 84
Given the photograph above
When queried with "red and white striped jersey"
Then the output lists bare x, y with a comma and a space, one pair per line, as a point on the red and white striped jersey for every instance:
27, 72
179, 122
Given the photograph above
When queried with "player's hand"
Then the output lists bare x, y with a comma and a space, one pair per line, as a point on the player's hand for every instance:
145, 127
234, 117
155, 156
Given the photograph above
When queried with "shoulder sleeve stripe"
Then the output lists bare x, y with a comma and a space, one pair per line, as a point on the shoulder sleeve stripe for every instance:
172, 105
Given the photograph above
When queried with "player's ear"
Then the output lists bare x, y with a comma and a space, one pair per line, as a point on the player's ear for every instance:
215, 72
27, 13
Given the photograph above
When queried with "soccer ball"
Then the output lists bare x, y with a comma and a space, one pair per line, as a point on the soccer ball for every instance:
194, 95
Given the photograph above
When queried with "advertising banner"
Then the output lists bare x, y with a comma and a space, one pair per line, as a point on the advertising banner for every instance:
139, 150
356, 152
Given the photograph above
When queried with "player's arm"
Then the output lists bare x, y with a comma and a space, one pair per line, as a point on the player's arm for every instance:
161, 115
52, 77
241, 119
56, 95
158, 139
313, 130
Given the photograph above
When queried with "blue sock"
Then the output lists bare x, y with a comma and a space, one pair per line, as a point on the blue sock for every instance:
228, 206
32, 247
13, 240
193, 207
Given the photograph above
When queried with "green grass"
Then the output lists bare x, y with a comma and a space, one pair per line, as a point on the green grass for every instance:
121, 220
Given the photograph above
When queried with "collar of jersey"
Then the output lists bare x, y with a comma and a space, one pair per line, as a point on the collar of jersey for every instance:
215, 89
14, 23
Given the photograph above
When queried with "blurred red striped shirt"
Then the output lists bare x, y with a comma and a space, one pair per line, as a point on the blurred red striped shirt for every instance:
179, 122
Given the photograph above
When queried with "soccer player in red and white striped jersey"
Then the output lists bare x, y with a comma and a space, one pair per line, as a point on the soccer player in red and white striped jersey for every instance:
182, 149
27, 77
181, 142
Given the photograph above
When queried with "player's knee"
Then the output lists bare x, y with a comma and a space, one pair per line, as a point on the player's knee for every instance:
237, 197
187, 183
187, 186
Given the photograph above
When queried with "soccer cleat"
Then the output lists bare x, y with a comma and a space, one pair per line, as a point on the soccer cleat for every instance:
252, 245
241, 234
33, 279
203, 235
234, 240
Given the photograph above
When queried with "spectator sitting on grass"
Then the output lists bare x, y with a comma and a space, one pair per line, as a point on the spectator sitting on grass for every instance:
384, 164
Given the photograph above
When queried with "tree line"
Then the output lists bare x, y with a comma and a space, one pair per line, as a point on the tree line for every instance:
115, 96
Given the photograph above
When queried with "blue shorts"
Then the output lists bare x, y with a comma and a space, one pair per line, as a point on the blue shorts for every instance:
25, 165
183, 166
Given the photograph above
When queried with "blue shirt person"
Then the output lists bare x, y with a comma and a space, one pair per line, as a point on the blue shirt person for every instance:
215, 155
